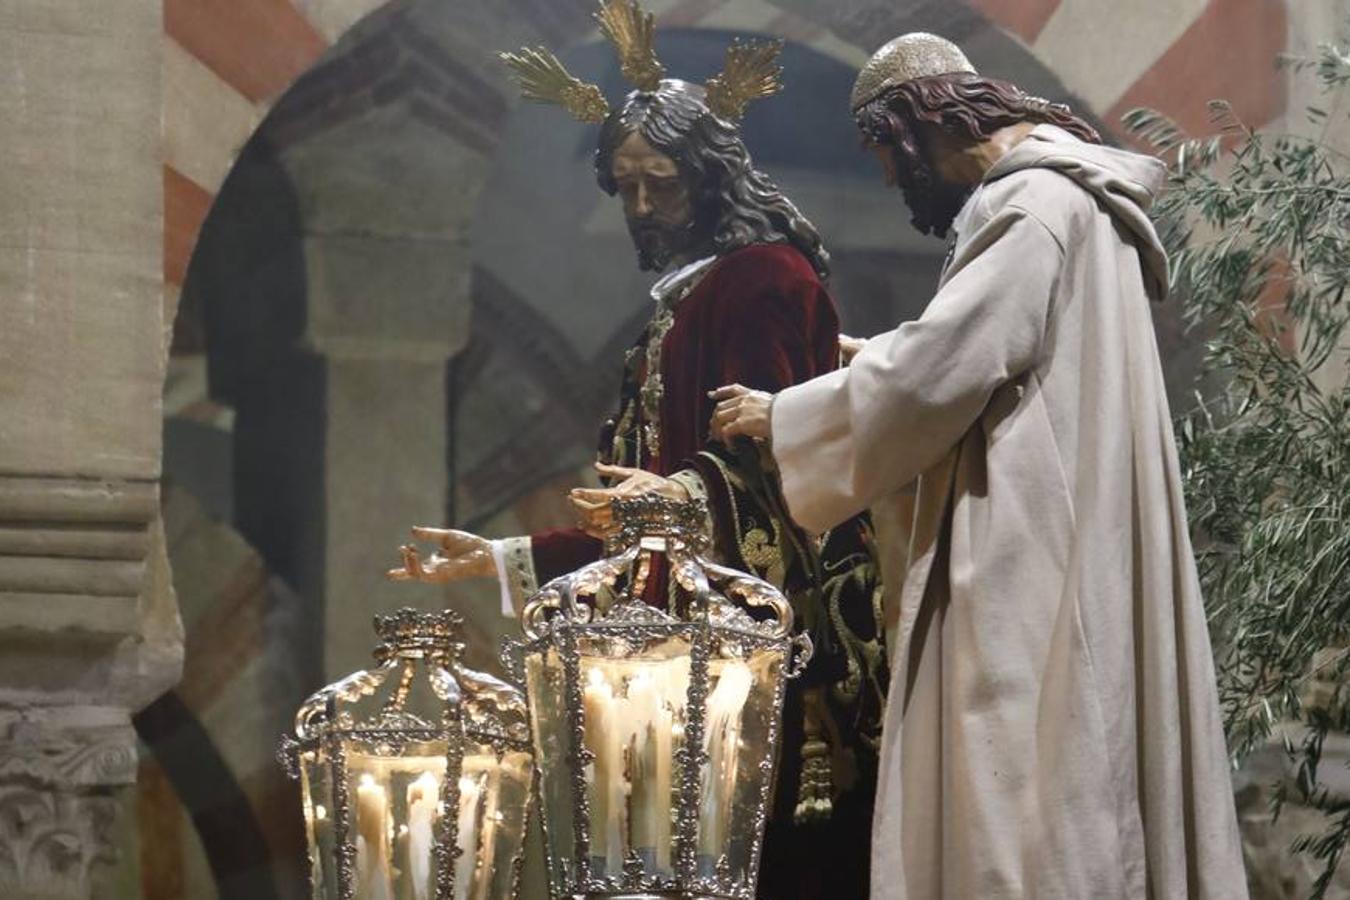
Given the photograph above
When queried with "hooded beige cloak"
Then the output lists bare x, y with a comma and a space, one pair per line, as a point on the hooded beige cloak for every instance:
1052, 728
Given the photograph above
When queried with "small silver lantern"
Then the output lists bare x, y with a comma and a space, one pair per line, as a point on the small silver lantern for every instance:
656, 730
382, 755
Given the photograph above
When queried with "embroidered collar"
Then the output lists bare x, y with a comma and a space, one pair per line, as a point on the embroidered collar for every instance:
672, 287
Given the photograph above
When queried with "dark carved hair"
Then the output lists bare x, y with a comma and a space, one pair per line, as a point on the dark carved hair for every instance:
737, 204
965, 106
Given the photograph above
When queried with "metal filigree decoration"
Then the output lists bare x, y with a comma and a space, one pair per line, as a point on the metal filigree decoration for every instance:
544, 79
751, 73
656, 729
654, 516
385, 757
632, 31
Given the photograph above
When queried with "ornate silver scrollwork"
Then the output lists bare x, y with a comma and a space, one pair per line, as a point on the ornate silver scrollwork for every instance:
340, 725
714, 611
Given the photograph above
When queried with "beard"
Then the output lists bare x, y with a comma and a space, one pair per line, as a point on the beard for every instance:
934, 203
657, 243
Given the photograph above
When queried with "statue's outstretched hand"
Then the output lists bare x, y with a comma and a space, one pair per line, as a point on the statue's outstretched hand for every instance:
592, 505
460, 555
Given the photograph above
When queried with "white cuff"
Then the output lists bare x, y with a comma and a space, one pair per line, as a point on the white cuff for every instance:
514, 558
503, 582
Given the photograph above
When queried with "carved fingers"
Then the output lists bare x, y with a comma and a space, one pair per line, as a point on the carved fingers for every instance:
740, 412
593, 506
460, 555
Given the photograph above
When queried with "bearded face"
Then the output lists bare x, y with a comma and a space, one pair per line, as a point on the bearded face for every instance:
933, 201
657, 204
911, 162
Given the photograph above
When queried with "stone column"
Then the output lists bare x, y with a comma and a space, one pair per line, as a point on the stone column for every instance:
386, 315
89, 629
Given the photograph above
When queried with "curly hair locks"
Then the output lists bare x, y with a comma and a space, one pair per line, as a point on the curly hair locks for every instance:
735, 204
966, 106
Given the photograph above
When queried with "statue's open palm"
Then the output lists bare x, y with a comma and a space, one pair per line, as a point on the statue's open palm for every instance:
459, 555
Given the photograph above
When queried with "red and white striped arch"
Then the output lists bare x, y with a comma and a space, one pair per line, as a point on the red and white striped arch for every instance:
226, 63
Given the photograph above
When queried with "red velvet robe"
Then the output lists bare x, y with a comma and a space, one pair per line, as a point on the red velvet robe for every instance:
760, 317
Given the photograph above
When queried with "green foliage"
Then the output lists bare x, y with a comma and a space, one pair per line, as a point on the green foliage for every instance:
1257, 227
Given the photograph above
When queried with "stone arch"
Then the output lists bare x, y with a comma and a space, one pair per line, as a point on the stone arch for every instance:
225, 66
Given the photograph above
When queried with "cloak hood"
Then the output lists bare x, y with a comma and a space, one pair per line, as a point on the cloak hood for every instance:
1124, 183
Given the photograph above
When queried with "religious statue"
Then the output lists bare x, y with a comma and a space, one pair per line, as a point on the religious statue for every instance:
742, 299
1053, 729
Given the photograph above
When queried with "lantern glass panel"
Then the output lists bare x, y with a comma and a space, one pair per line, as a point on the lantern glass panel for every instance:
396, 806
319, 806
656, 729
548, 718
633, 719
488, 835
384, 753
738, 739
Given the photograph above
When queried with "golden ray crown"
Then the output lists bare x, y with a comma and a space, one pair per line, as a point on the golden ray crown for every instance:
544, 79
751, 71
633, 33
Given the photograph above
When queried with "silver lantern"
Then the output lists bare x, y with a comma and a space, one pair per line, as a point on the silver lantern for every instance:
383, 754
656, 730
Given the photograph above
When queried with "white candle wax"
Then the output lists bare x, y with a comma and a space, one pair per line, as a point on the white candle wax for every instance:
470, 812
663, 732
492, 816
374, 876
641, 742
604, 738
424, 796
720, 742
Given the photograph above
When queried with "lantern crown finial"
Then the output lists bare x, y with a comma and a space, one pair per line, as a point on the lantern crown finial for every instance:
409, 631
651, 515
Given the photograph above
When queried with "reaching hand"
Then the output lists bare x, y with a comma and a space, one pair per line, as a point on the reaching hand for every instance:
740, 412
595, 516
461, 555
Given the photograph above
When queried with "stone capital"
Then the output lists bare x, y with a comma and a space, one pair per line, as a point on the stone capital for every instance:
60, 771
67, 747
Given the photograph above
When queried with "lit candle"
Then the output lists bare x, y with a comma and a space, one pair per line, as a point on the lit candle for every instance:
663, 731
373, 871
645, 706
603, 724
720, 742
488, 846
672, 690
470, 810
638, 744
423, 799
